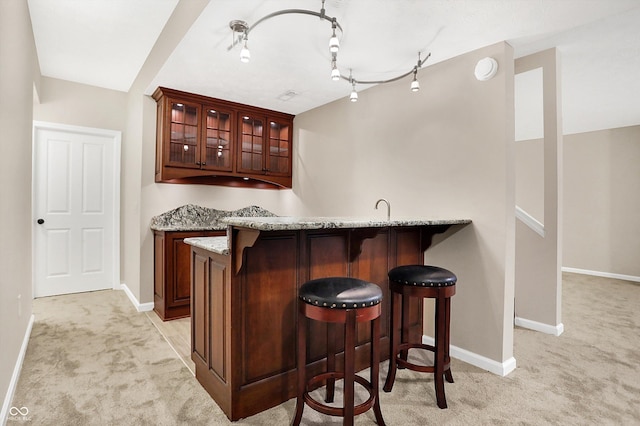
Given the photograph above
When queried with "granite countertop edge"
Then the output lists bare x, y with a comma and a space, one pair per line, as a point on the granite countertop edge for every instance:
191, 217
295, 223
218, 245
187, 228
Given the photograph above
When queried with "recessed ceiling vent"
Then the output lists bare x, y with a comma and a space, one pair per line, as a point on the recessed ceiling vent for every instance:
288, 95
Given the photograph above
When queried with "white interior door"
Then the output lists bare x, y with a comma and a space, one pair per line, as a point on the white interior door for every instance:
76, 209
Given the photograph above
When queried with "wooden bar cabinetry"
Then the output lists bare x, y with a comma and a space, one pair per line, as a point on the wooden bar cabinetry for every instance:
244, 305
205, 140
172, 285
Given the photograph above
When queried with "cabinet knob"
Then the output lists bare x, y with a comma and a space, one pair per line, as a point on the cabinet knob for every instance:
197, 163
204, 164
40, 221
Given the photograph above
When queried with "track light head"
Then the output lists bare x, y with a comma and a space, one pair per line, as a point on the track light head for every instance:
334, 43
415, 84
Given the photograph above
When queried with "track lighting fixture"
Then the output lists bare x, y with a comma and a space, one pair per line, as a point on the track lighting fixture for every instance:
241, 32
415, 84
334, 43
353, 97
335, 72
245, 55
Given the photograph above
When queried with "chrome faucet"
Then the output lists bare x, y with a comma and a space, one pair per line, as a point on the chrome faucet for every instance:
388, 207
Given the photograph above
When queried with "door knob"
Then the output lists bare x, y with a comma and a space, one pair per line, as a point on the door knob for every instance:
40, 221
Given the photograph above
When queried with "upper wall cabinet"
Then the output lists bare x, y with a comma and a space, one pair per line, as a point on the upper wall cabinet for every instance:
211, 141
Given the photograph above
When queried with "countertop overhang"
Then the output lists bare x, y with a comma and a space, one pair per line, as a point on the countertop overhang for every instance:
218, 245
283, 223
221, 245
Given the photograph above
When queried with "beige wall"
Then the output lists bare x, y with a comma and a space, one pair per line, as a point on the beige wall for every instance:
601, 198
18, 68
530, 177
538, 288
446, 151
65, 102
602, 201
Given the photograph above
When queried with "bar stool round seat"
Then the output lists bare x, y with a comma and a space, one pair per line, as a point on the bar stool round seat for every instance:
421, 281
348, 301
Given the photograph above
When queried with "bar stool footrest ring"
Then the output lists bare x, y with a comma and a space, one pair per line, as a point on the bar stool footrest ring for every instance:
401, 363
338, 411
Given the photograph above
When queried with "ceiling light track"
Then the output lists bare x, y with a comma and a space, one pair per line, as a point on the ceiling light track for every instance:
241, 32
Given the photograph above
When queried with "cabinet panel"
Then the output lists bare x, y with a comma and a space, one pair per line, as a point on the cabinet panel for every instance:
200, 307
218, 300
325, 254
408, 252
372, 265
269, 307
158, 266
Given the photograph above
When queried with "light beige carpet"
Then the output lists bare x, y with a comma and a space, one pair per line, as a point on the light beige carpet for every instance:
93, 360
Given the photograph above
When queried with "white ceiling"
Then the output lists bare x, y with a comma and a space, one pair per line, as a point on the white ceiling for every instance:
106, 42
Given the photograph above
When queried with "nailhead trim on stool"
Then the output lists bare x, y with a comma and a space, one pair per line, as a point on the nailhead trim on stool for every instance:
347, 301
421, 281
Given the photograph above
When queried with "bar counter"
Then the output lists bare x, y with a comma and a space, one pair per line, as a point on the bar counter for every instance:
244, 297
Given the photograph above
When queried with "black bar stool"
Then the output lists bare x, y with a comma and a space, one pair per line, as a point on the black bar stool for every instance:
421, 281
346, 301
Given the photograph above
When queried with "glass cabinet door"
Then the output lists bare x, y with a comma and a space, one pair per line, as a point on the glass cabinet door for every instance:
251, 144
218, 136
279, 155
183, 145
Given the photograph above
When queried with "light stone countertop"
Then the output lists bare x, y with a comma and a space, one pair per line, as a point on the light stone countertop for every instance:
280, 223
196, 218
218, 245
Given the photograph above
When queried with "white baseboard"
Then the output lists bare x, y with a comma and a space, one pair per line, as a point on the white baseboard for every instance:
16, 373
140, 307
495, 367
555, 330
601, 274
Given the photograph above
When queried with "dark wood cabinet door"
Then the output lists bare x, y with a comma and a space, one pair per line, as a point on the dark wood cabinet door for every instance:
172, 260
251, 143
278, 148
180, 285
217, 139
183, 147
